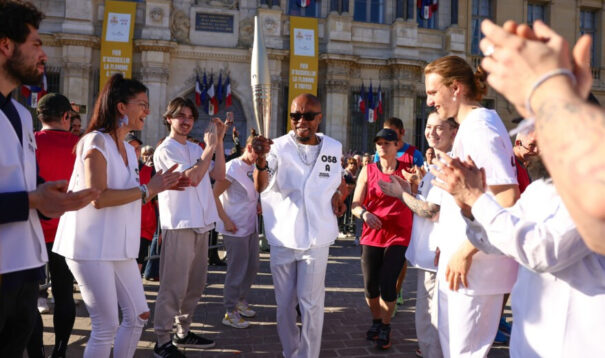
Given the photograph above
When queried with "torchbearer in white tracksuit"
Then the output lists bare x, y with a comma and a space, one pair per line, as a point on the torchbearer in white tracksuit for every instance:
299, 181
558, 299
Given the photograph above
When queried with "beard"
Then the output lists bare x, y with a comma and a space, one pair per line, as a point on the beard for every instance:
16, 66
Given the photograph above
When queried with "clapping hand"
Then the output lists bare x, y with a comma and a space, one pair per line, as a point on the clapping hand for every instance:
463, 180
395, 187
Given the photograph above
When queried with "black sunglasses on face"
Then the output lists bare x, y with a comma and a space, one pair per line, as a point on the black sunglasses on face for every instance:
307, 116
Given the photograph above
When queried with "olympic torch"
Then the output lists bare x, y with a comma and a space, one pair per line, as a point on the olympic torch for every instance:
261, 81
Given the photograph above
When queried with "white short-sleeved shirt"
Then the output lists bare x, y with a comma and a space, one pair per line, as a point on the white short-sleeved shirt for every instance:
483, 137
111, 233
421, 251
193, 208
240, 200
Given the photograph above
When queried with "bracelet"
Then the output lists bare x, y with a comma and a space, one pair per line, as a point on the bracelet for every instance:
338, 192
144, 193
542, 79
260, 169
363, 211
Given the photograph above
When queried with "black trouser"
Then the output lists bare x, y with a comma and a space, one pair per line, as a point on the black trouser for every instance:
381, 267
18, 314
64, 313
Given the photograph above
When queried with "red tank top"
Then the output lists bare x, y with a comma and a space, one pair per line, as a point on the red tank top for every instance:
396, 217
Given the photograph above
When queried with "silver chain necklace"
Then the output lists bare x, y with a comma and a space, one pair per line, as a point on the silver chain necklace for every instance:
302, 153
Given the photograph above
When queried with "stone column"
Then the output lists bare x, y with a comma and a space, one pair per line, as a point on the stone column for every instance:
153, 72
336, 114
405, 76
76, 65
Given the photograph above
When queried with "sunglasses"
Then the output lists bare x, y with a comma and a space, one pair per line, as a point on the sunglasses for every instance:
307, 116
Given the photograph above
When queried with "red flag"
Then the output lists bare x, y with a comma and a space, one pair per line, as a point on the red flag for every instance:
44, 89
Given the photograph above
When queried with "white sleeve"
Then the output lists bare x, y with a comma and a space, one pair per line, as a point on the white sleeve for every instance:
547, 246
489, 151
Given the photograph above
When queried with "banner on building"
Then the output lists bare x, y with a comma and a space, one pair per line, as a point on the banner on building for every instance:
304, 57
116, 42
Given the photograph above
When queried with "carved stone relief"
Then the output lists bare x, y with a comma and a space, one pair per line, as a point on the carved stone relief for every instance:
179, 26
246, 32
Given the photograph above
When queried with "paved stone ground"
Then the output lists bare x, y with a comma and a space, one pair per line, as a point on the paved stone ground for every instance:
346, 319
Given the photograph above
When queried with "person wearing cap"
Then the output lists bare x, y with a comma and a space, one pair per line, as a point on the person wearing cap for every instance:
386, 234
298, 178
55, 156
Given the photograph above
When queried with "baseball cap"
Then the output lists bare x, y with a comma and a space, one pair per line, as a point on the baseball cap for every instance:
387, 134
53, 104
131, 136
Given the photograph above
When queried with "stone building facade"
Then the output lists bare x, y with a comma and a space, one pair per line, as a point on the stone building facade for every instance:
383, 43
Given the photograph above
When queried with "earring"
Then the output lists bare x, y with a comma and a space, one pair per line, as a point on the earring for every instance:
123, 121
454, 98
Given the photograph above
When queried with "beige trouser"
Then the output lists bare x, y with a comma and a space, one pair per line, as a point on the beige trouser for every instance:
183, 270
426, 314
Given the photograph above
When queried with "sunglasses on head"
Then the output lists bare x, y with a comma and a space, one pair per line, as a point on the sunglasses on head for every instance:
307, 116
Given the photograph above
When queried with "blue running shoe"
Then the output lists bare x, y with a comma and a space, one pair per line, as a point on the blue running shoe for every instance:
505, 326
501, 338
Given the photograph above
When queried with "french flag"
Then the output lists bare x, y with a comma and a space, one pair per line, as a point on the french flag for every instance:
212, 100
228, 100
219, 88
371, 111
198, 91
427, 8
361, 100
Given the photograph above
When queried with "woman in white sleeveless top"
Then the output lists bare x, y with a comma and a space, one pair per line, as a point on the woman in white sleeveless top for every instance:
101, 241
237, 205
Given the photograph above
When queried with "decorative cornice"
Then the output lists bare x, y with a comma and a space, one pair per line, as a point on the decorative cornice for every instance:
68, 66
64, 39
339, 86
147, 74
142, 45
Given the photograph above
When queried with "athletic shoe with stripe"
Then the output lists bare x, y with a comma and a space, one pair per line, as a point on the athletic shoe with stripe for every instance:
192, 340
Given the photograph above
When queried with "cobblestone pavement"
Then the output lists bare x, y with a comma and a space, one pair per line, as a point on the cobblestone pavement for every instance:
346, 319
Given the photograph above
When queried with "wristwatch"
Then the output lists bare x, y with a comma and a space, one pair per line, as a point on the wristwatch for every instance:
260, 169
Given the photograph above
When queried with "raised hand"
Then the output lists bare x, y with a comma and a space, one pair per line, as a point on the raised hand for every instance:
519, 59
261, 145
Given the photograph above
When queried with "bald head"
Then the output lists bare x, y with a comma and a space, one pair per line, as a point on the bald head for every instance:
308, 99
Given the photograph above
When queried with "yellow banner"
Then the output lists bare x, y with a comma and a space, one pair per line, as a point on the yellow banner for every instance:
304, 57
116, 41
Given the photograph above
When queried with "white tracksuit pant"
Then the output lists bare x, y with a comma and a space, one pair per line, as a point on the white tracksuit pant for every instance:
299, 278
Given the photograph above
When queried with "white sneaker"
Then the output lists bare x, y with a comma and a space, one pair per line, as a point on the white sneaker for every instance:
43, 305
233, 319
245, 310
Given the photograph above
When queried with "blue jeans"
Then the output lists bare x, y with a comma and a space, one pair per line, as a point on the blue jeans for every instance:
152, 267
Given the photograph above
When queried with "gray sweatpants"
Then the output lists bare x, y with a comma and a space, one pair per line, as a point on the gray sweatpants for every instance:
183, 270
242, 266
